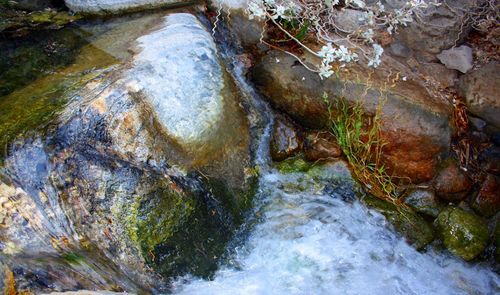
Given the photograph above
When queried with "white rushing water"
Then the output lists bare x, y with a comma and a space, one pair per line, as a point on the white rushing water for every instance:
312, 236
312, 242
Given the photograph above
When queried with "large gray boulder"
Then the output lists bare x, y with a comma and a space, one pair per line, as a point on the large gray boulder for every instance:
481, 91
145, 162
114, 6
439, 27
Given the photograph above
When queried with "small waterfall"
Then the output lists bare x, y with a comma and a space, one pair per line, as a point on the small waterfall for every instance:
308, 234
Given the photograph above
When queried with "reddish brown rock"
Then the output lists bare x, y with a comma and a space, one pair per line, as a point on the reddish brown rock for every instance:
285, 141
487, 201
404, 159
452, 184
415, 123
320, 146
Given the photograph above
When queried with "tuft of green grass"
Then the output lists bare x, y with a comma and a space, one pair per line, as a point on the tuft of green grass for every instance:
358, 135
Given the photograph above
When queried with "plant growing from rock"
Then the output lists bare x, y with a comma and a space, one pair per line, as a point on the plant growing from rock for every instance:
341, 46
359, 137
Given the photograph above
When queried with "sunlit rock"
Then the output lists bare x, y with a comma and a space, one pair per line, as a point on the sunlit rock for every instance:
114, 6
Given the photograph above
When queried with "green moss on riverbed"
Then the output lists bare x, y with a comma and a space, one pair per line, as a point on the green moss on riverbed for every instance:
18, 22
28, 108
407, 222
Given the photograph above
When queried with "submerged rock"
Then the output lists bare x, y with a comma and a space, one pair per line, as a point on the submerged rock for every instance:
295, 164
463, 233
496, 236
412, 226
124, 182
19, 22
115, 6
27, 108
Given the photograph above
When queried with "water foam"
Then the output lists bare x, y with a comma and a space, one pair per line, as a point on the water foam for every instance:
314, 242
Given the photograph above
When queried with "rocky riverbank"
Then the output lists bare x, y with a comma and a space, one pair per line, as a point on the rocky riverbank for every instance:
136, 153
436, 117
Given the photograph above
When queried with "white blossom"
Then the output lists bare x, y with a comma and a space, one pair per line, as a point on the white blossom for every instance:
358, 3
381, 6
377, 53
369, 17
256, 10
327, 52
331, 3
368, 35
279, 12
342, 54
325, 70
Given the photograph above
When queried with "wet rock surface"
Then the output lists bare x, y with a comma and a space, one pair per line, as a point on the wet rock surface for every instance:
463, 233
487, 201
140, 177
452, 184
321, 146
112, 174
116, 6
20, 17
409, 224
424, 201
285, 141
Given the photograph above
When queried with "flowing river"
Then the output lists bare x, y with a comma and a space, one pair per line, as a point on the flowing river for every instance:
306, 233
309, 234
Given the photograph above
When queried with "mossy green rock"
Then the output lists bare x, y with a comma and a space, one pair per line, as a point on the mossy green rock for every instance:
463, 233
408, 223
331, 171
295, 164
15, 20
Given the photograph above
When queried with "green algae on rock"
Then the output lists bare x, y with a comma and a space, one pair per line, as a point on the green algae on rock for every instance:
463, 233
152, 218
14, 21
411, 225
36, 104
26, 59
295, 164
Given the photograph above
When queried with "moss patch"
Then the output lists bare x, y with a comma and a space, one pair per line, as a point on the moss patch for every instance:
158, 215
408, 223
292, 165
463, 233
17, 21
36, 104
